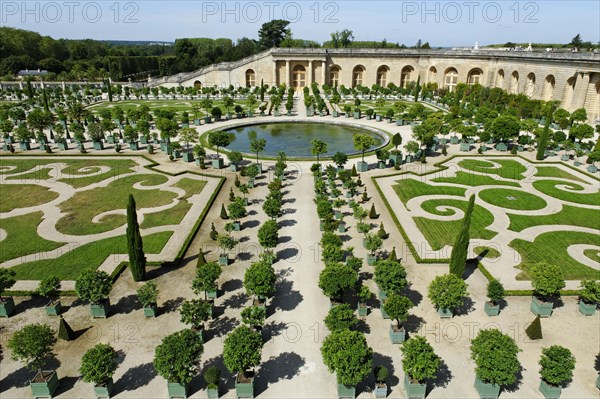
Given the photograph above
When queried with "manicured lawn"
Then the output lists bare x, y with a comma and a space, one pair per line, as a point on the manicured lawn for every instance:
408, 188
512, 199
552, 248
191, 186
472, 179
549, 187
489, 253
568, 215
11, 196
84, 205
179, 106
22, 238
440, 233
509, 169
554, 171
366, 104
86, 257
593, 254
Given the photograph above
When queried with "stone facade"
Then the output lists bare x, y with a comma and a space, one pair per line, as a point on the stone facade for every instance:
572, 78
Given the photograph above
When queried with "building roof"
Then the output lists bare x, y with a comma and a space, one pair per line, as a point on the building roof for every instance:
35, 72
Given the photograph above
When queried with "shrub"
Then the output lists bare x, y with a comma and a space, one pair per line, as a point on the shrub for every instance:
381, 233
178, 357
206, 278
547, 280
340, 317
557, 364
364, 294
93, 285
381, 374
495, 291
372, 213
495, 356
590, 291
390, 276
7, 279
224, 214
212, 375
447, 291
65, 332
49, 287
99, 364
419, 361
534, 330
213, 232
347, 354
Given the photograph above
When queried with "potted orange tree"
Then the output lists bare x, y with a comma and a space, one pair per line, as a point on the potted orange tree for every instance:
396, 307
242, 351
557, 364
98, 366
547, 281
589, 297
94, 286
48, 288
7, 280
420, 363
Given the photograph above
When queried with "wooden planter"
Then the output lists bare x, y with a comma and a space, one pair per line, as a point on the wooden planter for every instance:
177, 390
491, 309
212, 393
363, 310
414, 389
445, 313
236, 226
223, 260
98, 145
44, 385
380, 390
7, 306
550, 391
541, 308
346, 392
104, 390
25, 146
100, 310
371, 259
63, 146
151, 310
341, 227
134, 146
485, 390
397, 335
217, 163
211, 295
244, 386
362, 166
396, 158
587, 309
53, 308
188, 157
233, 167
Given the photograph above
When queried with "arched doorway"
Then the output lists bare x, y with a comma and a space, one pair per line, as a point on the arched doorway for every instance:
474, 77
530, 85
405, 76
250, 78
357, 75
514, 83
382, 73
451, 79
334, 76
432, 78
500, 79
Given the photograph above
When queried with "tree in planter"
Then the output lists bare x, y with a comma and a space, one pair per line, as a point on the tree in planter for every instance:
237, 209
227, 243
33, 345
373, 243
557, 364
254, 316
335, 278
347, 354
216, 113
589, 295
547, 281
93, 286
318, 147
212, 376
268, 234
188, 135
411, 147
177, 359
219, 139
48, 289
135, 246
98, 366
257, 146
495, 293
195, 312
340, 159
458, 256
362, 142
206, 278
340, 318
242, 351
397, 306
495, 356
419, 361
396, 141
131, 136
272, 206
259, 280
447, 292
390, 276
235, 157
148, 295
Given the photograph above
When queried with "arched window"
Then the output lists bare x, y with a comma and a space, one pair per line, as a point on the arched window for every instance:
299, 76
432, 75
334, 76
514, 83
197, 85
382, 73
474, 77
530, 85
405, 75
548, 90
357, 75
250, 78
450, 79
500, 79
568, 93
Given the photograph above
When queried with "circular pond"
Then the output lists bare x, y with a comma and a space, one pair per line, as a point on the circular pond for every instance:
294, 138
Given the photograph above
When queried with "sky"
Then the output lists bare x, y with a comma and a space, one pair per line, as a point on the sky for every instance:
441, 23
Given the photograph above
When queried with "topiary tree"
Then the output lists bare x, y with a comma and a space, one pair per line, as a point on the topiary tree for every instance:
335, 278
458, 256
340, 317
177, 359
93, 286
254, 316
259, 279
547, 280
135, 246
65, 332
340, 159
242, 350
32, 345
557, 364
206, 278
419, 361
98, 364
268, 234
212, 376
373, 213
397, 307
195, 312
219, 139
495, 356
390, 276
590, 292
347, 354
534, 330
318, 147
447, 291
148, 294
495, 291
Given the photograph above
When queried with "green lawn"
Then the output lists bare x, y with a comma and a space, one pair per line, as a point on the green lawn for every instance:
554, 171
552, 248
509, 169
472, 179
22, 238
593, 254
490, 253
548, 187
11, 196
366, 104
179, 106
440, 233
568, 215
512, 199
408, 188
84, 205
86, 257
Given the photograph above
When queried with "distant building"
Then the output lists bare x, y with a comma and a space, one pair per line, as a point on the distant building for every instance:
34, 72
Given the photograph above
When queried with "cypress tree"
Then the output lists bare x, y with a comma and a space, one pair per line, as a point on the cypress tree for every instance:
417, 88
65, 332
458, 257
109, 88
543, 141
135, 246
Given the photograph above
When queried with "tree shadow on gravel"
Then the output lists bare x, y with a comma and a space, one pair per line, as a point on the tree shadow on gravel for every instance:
514, 387
415, 296
220, 327
171, 305
286, 298
127, 304
287, 223
284, 366
236, 301
467, 307
232, 285
287, 253
274, 329
135, 378
442, 378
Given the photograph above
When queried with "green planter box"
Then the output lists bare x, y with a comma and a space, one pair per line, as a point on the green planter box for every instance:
63, 146
397, 336
485, 390
357, 115
335, 114
399, 122
414, 390
381, 164
7, 306
363, 310
223, 260
445, 313
177, 153
371, 259
199, 161
598, 382
380, 391
237, 226
465, 147
211, 295
541, 308
217, 163
25, 146
501, 147
134, 146
188, 157
177, 390
244, 389
143, 140
207, 119
549, 391
100, 310
453, 140
151, 311
384, 314
98, 145
491, 309
104, 391
346, 392
212, 393
47, 388
362, 166
592, 169
587, 309
110, 139
396, 158
341, 227
53, 308
234, 167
